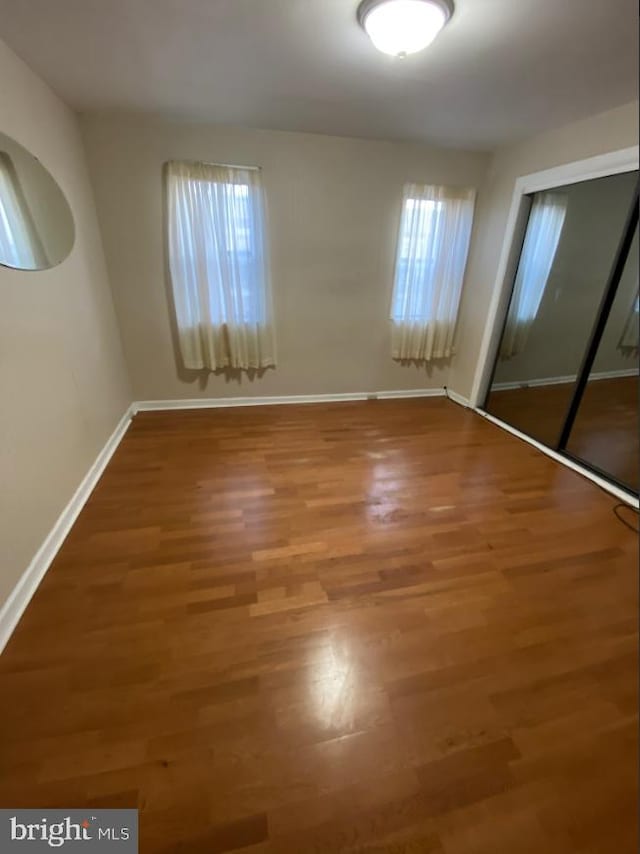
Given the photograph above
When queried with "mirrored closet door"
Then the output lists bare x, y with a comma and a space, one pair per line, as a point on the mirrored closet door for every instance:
566, 370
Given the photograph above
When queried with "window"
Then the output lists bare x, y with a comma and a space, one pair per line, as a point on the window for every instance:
20, 245
241, 219
544, 228
218, 265
417, 253
433, 244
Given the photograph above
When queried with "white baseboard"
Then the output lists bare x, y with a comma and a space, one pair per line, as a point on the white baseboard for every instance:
14, 607
403, 393
458, 398
217, 402
544, 381
223, 402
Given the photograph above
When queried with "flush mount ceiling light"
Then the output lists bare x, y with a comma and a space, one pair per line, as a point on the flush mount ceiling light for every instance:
401, 27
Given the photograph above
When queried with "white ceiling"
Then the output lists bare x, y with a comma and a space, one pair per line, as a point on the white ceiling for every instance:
501, 69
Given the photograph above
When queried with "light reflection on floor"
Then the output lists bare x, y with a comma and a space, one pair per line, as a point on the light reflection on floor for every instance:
333, 687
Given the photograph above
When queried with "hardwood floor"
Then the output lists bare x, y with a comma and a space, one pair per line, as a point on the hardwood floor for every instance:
385, 626
605, 432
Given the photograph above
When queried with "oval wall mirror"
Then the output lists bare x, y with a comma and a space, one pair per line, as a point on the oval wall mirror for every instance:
36, 223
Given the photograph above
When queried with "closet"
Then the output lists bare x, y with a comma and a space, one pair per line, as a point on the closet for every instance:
566, 369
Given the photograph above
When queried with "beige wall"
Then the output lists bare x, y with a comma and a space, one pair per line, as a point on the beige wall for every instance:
605, 132
333, 212
63, 381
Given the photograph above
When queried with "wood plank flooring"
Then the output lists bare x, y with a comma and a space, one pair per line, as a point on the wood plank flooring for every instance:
385, 626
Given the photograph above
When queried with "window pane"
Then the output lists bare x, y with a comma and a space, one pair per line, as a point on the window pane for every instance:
218, 241
420, 223
433, 243
239, 202
420, 244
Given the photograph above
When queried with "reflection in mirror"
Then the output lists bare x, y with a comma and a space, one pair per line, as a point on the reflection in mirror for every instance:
605, 433
36, 224
569, 245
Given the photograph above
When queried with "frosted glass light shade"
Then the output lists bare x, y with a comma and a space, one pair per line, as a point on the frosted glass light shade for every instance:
402, 27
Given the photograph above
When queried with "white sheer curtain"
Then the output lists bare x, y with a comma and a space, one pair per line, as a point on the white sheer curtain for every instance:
20, 245
433, 245
218, 265
544, 228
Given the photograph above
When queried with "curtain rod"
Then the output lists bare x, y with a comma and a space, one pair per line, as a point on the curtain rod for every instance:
232, 166
223, 165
